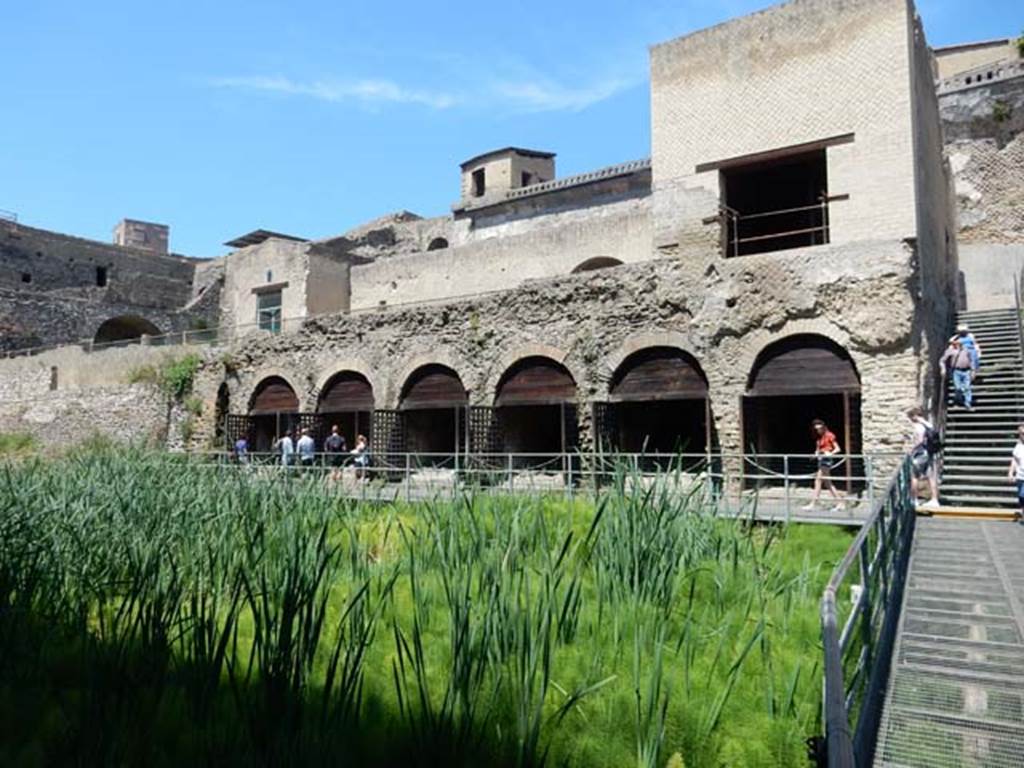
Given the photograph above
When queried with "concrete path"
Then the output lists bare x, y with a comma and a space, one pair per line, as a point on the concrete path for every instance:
956, 689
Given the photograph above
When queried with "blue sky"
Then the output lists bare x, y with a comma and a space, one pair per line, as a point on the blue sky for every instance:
222, 116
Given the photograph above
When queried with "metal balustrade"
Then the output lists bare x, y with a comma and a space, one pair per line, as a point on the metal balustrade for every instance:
765, 487
860, 613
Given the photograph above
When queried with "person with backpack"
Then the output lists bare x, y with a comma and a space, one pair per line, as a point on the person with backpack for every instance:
925, 446
335, 448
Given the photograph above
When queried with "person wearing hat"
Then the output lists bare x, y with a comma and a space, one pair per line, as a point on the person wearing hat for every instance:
957, 363
967, 340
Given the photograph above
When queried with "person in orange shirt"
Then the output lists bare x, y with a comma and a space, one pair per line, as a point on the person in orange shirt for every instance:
826, 449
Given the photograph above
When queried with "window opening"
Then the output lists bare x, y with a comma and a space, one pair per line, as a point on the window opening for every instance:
101, 277
479, 182
268, 311
527, 178
775, 205
26, 277
437, 244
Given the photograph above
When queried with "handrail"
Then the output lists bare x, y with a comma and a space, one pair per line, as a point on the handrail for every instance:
852, 702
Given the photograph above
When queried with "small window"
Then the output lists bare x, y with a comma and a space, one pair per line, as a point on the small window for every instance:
26, 277
268, 311
527, 178
53, 378
479, 182
776, 205
101, 277
437, 244
270, 276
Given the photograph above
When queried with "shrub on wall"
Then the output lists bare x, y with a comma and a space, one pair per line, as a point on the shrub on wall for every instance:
174, 377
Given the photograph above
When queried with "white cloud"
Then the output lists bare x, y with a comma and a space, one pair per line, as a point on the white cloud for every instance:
366, 92
528, 95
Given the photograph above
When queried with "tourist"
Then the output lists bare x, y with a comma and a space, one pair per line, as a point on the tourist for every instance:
286, 447
826, 449
967, 340
1016, 472
307, 450
335, 448
242, 450
957, 363
362, 456
924, 448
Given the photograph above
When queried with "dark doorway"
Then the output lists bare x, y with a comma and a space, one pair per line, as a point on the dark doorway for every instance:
794, 381
658, 404
346, 400
777, 204
124, 329
273, 411
433, 407
220, 416
536, 411
598, 262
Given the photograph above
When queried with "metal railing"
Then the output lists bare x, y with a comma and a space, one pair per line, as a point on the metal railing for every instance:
1018, 303
858, 635
770, 486
738, 245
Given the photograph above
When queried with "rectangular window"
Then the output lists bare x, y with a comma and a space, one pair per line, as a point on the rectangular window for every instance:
101, 277
268, 311
479, 182
776, 204
26, 277
527, 178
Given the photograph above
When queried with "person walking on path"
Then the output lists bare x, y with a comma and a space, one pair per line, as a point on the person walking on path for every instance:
307, 450
826, 449
968, 342
286, 447
335, 448
924, 448
242, 450
362, 457
957, 362
1016, 472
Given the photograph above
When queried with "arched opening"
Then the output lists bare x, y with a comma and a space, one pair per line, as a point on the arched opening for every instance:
535, 407
273, 411
124, 328
794, 381
433, 406
437, 244
598, 262
658, 404
346, 400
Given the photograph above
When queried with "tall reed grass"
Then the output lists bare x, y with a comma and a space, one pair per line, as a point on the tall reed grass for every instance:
153, 611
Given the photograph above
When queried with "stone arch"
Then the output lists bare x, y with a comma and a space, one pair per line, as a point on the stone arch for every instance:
793, 380
353, 364
273, 409
124, 328
535, 407
402, 375
506, 360
597, 262
438, 244
657, 404
433, 402
753, 344
345, 398
639, 341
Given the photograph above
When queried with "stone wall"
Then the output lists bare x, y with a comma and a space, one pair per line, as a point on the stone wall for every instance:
65, 396
724, 316
620, 231
804, 71
50, 295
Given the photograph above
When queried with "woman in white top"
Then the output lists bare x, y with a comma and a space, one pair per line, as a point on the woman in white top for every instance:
1016, 471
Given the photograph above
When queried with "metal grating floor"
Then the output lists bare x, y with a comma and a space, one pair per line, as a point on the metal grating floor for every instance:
956, 689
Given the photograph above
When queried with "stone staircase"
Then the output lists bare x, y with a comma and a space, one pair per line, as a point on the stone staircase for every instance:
979, 442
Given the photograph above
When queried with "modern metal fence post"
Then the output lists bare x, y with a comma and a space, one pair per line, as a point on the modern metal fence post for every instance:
568, 475
511, 485
408, 476
785, 481
869, 474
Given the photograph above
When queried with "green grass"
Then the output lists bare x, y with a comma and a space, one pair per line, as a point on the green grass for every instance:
152, 611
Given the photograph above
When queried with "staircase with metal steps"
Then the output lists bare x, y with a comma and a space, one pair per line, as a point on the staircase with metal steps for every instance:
979, 442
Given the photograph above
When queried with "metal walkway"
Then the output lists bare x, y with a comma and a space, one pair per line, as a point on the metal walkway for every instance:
955, 697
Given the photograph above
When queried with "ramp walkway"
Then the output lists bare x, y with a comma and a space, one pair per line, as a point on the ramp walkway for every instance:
955, 695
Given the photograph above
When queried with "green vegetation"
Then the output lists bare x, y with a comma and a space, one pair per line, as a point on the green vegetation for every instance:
14, 444
174, 376
1001, 111
158, 612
